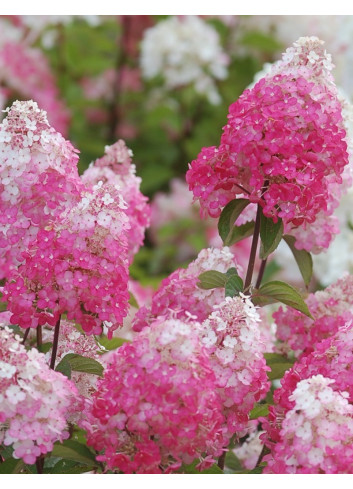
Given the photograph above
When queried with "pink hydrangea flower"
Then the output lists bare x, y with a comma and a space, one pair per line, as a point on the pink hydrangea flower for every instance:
38, 179
116, 168
77, 265
330, 308
232, 336
35, 401
315, 435
284, 145
157, 405
179, 296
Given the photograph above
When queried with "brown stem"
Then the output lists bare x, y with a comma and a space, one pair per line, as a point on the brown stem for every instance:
25, 336
221, 460
39, 336
264, 452
39, 465
252, 257
55, 343
261, 273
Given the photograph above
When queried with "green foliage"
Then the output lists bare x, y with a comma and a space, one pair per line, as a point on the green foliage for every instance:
79, 363
45, 347
212, 279
229, 215
73, 450
279, 365
271, 234
234, 285
277, 291
303, 259
260, 410
108, 345
191, 469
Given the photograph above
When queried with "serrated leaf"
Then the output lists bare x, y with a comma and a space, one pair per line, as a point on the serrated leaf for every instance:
281, 292
271, 234
212, 279
240, 232
112, 344
229, 215
233, 286
258, 411
72, 450
303, 259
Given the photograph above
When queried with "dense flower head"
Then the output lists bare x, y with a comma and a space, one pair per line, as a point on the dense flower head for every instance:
184, 50
78, 265
331, 309
116, 168
179, 296
38, 179
35, 401
284, 145
232, 336
157, 405
315, 436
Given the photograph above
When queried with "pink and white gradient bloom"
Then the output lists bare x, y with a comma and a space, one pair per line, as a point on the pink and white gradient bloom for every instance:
331, 309
78, 265
35, 401
116, 168
180, 297
232, 336
157, 405
314, 436
284, 146
38, 179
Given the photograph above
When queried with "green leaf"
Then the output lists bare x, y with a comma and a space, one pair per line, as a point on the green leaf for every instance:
64, 367
229, 215
241, 232
45, 347
65, 466
72, 450
112, 344
278, 364
258, 411
271, 234
231, 271
303, 259
233, 463
234, 285
133, 301
11, 466
79, 363
212, 280
281, 292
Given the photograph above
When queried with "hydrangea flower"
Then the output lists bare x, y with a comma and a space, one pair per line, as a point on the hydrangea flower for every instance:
179, 296
284, 145
115, 167
331, 308
232, 336
185, 50
77, 265
315, 435
35, 401
38, 179
157, 405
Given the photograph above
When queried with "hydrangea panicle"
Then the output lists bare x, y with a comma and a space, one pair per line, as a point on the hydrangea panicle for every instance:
179, 296
284, 144
157, 405
35, 401
116, 168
